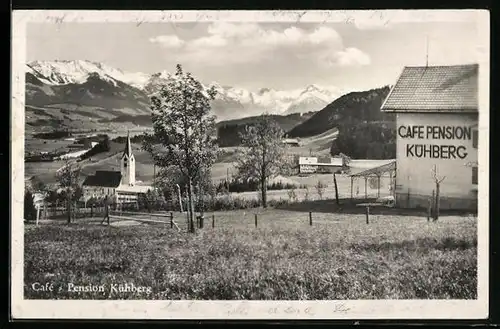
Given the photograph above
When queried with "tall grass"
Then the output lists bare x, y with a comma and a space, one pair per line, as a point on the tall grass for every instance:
339, 257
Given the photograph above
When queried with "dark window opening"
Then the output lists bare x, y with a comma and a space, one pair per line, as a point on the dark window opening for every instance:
475, 137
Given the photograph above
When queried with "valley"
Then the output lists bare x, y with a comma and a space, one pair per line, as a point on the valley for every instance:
82, 97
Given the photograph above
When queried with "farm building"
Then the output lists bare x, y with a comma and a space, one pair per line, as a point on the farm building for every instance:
436, 111
291, 142
310, 165
120, 185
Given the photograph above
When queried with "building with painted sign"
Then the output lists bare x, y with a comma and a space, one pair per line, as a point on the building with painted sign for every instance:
436, 111
311, 165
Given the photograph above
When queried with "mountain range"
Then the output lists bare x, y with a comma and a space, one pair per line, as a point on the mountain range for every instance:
71, 93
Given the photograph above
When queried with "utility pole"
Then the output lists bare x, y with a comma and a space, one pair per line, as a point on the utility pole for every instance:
427, 51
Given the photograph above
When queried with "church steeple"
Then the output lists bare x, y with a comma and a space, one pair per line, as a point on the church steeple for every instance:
128, 148
128, 163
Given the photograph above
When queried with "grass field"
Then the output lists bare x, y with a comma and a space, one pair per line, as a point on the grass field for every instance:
284, 258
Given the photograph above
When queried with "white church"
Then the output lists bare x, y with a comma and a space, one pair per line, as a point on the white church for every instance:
120, 185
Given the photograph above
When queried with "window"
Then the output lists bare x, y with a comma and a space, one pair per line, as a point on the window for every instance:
475, 138
474, 175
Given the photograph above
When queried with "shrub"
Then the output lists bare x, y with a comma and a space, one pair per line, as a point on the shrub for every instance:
306, 194
320, 188
29, 207
239, 186
292, 195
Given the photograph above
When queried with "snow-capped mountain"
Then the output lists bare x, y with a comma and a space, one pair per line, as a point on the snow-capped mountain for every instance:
66, 72
50, 82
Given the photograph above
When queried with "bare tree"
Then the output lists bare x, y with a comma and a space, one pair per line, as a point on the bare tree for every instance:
262, 154
184, 130
438, 180
68, 177
320, 189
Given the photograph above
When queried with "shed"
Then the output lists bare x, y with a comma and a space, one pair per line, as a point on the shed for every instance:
375, 172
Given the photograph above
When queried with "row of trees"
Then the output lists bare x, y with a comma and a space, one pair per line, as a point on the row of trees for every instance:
366, 140
104, 145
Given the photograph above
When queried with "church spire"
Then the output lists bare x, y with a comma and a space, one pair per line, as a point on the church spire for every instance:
128, 148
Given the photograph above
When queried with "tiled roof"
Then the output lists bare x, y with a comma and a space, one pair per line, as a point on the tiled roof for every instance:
435, 88
104, 179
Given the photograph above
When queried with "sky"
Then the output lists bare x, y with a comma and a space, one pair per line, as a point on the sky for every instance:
264, 55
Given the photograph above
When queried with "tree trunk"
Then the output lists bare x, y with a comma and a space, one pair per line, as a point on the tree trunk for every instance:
68, 205
190, 207
337, 190
436, 214
263, 189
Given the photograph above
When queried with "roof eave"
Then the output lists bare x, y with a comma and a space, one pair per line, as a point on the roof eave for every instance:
394, 86
435, 110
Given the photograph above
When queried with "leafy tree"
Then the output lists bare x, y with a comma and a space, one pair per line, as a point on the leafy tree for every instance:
184, 129
52, 197
263, 153
68, 177
29, 206
105, 143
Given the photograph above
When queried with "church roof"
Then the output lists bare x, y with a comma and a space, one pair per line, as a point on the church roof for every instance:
134, 188
104, 178
128, 146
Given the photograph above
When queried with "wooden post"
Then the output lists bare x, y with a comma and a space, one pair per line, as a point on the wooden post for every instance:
366, 191
201, 221
336, 189
188, 221
429, 207
213, 220
37, 215
352, 178
367, 214
378, 182
310, 218
255, 220
171, 220
432, 204
436, 212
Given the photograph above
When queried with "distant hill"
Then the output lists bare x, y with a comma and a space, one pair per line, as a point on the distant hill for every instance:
228, 131
364, 132
353, 107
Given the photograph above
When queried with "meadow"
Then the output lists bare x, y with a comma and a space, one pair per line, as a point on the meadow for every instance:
339, 256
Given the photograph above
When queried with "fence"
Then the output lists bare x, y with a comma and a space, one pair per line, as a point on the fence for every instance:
150, 218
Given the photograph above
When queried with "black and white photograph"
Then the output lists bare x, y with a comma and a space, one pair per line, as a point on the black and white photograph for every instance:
211, 164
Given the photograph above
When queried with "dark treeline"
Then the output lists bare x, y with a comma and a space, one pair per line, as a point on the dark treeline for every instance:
102, 146
137, 139
239, 186
229, 135
56, 134
369, 140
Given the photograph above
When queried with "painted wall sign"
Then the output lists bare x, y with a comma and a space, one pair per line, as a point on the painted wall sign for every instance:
308, 169
433, 151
